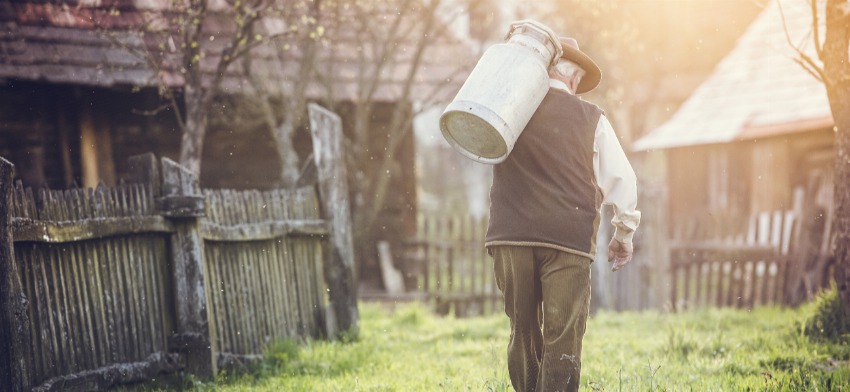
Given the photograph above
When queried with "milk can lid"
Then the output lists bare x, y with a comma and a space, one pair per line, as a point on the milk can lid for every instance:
539, 31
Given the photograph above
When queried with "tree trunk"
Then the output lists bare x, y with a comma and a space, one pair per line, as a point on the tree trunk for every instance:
192, 142
837, 74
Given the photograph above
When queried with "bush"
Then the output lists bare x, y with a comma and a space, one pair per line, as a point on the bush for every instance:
829, 320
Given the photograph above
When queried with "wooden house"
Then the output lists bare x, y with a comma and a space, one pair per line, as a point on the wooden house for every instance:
755, 137
77, 99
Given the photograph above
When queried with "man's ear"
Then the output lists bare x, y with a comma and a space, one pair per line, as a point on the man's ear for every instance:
575, 80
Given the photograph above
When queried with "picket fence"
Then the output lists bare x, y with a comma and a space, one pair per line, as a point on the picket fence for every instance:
740, 263
455, 271
121, 284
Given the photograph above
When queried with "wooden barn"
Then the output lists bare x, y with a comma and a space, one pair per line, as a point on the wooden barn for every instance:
74, 103
749, 157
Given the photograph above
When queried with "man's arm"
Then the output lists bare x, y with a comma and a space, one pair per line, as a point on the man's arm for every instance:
617, 182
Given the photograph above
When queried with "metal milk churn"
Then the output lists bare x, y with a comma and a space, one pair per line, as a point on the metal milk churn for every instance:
502, 93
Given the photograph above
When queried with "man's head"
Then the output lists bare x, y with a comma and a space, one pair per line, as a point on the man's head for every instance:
568, 72
575, 68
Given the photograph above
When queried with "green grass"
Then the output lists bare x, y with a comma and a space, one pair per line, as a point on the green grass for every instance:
710, 350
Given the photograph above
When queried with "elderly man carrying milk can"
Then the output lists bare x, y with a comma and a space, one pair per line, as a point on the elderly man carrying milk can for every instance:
544, 214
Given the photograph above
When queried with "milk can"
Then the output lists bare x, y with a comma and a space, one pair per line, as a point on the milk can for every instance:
502, 93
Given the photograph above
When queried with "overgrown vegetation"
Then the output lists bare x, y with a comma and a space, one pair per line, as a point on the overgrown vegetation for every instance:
829, 320
409, 349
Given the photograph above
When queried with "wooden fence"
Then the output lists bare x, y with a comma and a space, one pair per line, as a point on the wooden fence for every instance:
455, 271
734, 267
263, 257
118, 284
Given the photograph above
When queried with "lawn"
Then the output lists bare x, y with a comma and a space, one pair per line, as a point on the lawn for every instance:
409, 349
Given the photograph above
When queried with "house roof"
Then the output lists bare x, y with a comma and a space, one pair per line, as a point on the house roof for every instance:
756, 91
99, 44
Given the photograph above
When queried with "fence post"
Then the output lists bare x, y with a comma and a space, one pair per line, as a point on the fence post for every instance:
14, 322
183, 203
326, 129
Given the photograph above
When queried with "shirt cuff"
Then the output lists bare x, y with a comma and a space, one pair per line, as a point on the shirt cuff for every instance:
623, 235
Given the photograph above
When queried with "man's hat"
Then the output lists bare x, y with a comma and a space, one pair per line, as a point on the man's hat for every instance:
592, 74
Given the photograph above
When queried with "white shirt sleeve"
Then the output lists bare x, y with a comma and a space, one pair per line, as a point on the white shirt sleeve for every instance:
617, 181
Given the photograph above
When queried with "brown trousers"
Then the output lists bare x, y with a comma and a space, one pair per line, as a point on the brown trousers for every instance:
545, 288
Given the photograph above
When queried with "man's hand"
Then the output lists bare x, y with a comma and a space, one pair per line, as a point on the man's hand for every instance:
619, 253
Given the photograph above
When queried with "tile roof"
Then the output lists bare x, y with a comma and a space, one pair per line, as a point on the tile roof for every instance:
756, 91
61, 43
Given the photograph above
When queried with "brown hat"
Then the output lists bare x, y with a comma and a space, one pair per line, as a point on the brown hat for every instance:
592, 74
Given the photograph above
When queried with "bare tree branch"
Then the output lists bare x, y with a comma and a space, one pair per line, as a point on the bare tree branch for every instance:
803, 57
815, 72
400, 124
816, 28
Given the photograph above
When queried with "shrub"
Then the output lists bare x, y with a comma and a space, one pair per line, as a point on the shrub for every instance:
829, 321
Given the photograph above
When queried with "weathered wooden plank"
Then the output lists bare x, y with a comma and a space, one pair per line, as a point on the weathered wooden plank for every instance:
79, 303
58, 232
279, 282
142, 246
296, 204
261, 231
292, 287
270, 287
105, 294
33, 350
236, 264
237, 303
319, 285
216, 305
97, 295
121, 313
47, 327
213, 206
286, 285
125, 279
263, 291
229, 298
131, 280
252, 310
223, 311
39, 348
262, 333
249, 311
107, 377
326, 131
32, 211
64, 311
299, 287
188, 265
163, 291
305, 286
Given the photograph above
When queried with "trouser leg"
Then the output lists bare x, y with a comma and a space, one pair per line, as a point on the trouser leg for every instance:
565, 284
516, 276
556, 285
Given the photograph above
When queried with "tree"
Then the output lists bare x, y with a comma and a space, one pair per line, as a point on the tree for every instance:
192, 45
363, 59
832, 68
379, 68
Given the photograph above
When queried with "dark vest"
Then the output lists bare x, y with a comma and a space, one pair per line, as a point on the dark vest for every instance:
545, 193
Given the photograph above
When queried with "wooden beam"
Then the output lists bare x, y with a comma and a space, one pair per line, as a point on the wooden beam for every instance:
326, 130
14, 318
190, 283
25, 229
105, 378
263, 231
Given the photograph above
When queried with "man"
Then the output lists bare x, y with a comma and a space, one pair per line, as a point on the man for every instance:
544, 214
